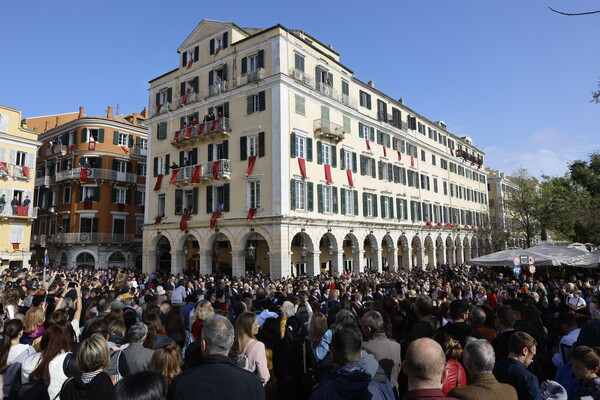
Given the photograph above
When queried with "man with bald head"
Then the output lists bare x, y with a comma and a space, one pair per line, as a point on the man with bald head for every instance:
425, 367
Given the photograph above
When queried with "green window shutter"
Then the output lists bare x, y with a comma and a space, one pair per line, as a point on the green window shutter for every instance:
369, 101
383, 210
333, 156
309, 196
114, 196
226, 109
101, 135
129, 166
363, 165
244, 65
181, 157
196, 116
319, 152
360, 130
182, 88
293, 145
79, 194
249, 105
318, 74
365, 208
184, 59
178, 201
374, 204
115, 137
262, 104
155, 172
194, 159
211, 77
343, 196
225, 39
320, 197
354, 167
309, 149
130, 141
355, 193
399, 208
372, 134
167, 163
391, 207
261, 144
83, 135
138, 140
210, 152
293, 194
243, 149
261, 59
342, 158
209, 201
212, 46
195, 201
325, 113
373, 172
225, 152
226, 191
334, 199
347, 124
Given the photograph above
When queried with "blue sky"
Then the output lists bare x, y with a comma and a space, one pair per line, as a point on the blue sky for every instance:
511, 74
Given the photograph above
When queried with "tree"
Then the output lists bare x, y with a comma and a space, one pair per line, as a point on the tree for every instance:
586, 174
522, 205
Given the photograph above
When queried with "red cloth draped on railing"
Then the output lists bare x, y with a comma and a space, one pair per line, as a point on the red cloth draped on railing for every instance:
22, 211
83, 175
412, 161
213, 125
188, 132
157, 219
125, 149
4, 166
88, 204
216, 166
25, 171
183, 222
71, 148
302, 165
196, 174
452, 152
368, 144
350, 180
251, 213
51, 149
251, 161
189, 64
328, 173
184, 101
92, 146
399, 155
201, 129
174, 176
158, 107
158, 182
214, 218
15, 246
384, 151
176, 136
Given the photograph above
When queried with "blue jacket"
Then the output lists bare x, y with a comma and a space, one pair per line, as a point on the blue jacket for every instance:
352, 382
515, 373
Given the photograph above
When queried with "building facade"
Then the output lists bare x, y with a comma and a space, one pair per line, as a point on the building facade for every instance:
503, 232
90, 189
268, 155
18, 147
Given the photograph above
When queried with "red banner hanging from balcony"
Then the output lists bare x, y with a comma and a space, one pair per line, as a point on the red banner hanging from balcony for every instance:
52, 148
25, 171
384, 151
158, 182
158, 107
184, 100
188, 132
251, 213
412, 161
440, 225
22, 211
83, 173
368, 144
214, 218
71, 148
174, 176
157, 220
429, 223
91, 145
16, 246
216, 166
183, 222
251, 161
452, 152
350, 179
302, 165
176, 136
196, 174
213, 125
125, 149
4, 166
328, 173
201, 129
217, 50
399, 155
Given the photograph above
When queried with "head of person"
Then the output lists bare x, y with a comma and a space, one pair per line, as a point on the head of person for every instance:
246, 326
372, 323
318, 327
13, 329
217, 335
478, 316
425, 364
478, 356
54, 342
566, 322
345, 319
204, 309
423, 305
459, 310
451, 347
345, 346
137, 333
586, 361
145, 385
505, 317
522, 347
93, 354
167, 361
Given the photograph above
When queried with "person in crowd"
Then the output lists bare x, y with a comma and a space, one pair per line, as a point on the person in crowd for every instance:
318, 327
93, 383
479, 359
10, 302
458, 328
217, 378
12, 353
586, 363
567, 325
505, 322
138, 357
166, 361
251, 352
478, 319
427, 324
175, 329
33, 325
143, 385
204, 310
455, 372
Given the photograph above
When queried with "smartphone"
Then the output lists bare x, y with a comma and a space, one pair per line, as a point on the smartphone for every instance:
72, 284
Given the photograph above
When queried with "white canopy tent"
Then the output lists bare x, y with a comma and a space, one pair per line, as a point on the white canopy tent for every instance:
506, 257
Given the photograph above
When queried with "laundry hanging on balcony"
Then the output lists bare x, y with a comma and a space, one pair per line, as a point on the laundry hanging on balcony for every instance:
174, 176
251, 161
216, 166
302, 165
328, 173
214, 218
251, 213
350, 180
183, 222
399, 155
197, 174
384, 151
4, 166
125, 149
83, 175
158, 182
368, 144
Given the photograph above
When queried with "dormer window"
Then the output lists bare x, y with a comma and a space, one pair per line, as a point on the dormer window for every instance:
218, 43
189, 56
163, 99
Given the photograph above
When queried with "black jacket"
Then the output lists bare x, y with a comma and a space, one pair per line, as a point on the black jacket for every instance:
100, 387
216, 378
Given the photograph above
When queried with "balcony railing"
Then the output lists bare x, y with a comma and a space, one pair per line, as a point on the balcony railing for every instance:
251, 76
327, 90
97, 174
206, 172
162, 108
56, 149
139, 150
38, 240
42, 181
18, 171
188, 99
302, 77
18, 211
349, 101
389, 119
202, 130
328, 129
217, 88
91, 238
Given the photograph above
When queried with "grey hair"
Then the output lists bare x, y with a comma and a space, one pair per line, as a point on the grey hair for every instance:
424, 304
217, 332
137, 332
374, 320
478, 316
479, 355
288, 309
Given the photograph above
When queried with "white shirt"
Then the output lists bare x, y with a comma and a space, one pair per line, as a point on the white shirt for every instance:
568, 340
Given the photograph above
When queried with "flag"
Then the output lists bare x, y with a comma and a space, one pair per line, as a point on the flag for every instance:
368, 144
452, 152
176, 137
83, 173
174, 176
183, 222
216, 166
196, 174
25, 171
214, 218
251, 213
384, 151
71, 148
328, 173
52, 149
158, 182
302, 165
399, 155
217, 50
125, 149
251, 161
4, 166
350, 180
92, 146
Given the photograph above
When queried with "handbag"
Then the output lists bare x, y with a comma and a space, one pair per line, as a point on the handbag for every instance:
309, 379
242, 359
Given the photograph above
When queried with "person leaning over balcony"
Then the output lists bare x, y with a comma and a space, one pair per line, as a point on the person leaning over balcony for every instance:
15, 202
27, 201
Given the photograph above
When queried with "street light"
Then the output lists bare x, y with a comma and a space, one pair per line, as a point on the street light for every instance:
251, 250
330, 249
303, 249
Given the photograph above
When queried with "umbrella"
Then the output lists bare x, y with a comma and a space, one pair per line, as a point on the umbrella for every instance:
506, 257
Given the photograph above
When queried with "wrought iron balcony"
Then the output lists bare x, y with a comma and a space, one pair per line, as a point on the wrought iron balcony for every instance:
96, 174
20, 172
201, 131
56, 149
389, 119
328, 129
189, 98
90, 238
224, 171
138, 150
251, 76
162, 108
9, 211
302, 77
38, 240
349, 101
217, 88
42, 181
327, 90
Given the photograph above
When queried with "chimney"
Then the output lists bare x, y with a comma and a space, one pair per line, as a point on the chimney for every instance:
80, 112
372, 84
401, 100
145, 113
24, 123
109, 114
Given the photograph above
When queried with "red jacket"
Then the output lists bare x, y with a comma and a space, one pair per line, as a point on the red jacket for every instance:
455, 376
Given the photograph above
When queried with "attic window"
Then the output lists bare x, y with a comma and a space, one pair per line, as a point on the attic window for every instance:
189, 56
218, 43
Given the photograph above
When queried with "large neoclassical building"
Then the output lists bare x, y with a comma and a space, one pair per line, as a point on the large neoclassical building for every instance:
268, 155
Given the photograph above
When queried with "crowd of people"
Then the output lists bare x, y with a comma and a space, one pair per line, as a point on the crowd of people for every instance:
454, 332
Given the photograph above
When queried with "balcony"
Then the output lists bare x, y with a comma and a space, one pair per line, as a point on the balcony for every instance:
56, 149
206, 172
349, 101
327, 90
251, 76
42, 181
201, 131
138, 150
90, 238
389, 119
189, 99
9, 211
162, 108
302, 77
38, 240
217, 88
20, 172
98, 174
328, 129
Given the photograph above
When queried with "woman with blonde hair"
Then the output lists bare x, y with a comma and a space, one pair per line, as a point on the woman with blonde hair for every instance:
252, 354
10, 302
455, 372
204, 309
167, 362
93, 359
33, 325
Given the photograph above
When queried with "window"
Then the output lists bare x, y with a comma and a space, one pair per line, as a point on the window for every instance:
300, 146
444, 164
141, 169
300, 105
88, 224
122, 139
347, 160
300, 203
401, 209
91, 192
160, 205
423, 155
161, 130
119, 195
387, 207
21, 158
369, 205
349, 202
15, 234
433, 162
164, 97
54, 199
323, 76
139, 223
4, 123
255, 103
326, 153
364, 99
347, 124
367, 166
121, 166
299, 62
253, 194
253, 145
326, 199
140, 198
66, 195
93, 135
435, 185
142, 143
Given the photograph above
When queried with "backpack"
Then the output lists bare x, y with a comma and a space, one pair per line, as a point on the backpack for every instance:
242, 358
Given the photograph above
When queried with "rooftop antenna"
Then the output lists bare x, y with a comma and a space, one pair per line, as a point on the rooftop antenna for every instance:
117, 108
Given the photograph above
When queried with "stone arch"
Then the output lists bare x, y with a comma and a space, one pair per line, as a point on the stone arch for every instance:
255, 254
371, 250
351, 257
388, 253
163, 250
440, 253
404, 258
450, 250
116, 259
466, 249
328, 248
303, 254
416, 245
63, 260
86, 258
429, 260
220, 250
474, 247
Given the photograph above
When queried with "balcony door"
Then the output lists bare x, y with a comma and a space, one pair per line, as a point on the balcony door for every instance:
118, 230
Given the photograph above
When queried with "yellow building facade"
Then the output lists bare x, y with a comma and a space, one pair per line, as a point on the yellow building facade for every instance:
18, 147
268, 155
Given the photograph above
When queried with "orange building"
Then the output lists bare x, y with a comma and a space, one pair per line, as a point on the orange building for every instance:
90, 188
